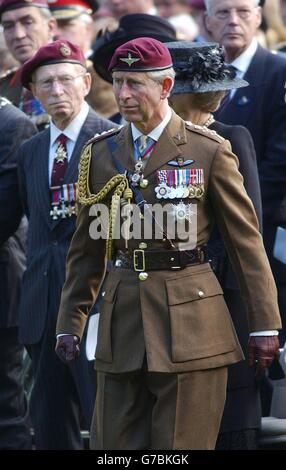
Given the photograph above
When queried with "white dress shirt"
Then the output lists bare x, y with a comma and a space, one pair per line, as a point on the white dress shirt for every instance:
155, 134
242, 62
71, 132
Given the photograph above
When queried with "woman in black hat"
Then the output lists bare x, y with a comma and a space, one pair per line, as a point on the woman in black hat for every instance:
203, 83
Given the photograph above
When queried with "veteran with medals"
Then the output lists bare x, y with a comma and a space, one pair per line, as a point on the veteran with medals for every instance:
62, 397
165, 335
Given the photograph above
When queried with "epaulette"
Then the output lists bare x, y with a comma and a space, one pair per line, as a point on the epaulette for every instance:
8, 73
3, 102
204, 131
103, 135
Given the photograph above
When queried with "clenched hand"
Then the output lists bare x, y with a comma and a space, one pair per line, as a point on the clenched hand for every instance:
261, 352
67, 348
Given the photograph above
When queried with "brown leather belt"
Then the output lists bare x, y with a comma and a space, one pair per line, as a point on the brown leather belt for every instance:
151, 260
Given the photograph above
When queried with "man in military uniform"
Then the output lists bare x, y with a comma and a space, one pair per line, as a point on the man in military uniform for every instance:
27, 25
165, 336
48, 171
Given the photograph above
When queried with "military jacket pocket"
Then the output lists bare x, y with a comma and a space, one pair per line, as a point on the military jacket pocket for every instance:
104, 340
199, 318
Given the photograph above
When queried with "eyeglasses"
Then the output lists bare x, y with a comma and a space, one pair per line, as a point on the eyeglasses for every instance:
65, 81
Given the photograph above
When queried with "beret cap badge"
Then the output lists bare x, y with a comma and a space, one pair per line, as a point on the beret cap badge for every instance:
65, 50
129, 59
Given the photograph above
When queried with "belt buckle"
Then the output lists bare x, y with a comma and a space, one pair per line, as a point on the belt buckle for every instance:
136, 262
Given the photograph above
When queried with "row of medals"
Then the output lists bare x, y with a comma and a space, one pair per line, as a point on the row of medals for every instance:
163, 191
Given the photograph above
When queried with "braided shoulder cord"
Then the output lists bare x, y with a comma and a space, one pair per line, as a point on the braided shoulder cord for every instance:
119, 182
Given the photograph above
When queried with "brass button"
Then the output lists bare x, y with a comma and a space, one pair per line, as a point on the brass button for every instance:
201, 293
143, 246
144, 183
143, 276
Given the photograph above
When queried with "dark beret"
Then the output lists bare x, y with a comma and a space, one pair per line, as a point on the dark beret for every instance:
6, 5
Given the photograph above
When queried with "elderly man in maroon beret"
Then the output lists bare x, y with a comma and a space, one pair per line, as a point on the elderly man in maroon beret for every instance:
165, 336
75, 23
62, 396
27, 25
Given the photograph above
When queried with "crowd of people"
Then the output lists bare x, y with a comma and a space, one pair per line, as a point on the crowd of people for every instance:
130, 108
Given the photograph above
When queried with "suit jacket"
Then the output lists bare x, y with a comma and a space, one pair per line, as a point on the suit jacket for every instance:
48, 240
261, 109
242, 146
178, 317
15, 127
240, 375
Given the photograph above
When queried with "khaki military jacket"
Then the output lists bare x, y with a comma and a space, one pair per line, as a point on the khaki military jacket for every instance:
178, 318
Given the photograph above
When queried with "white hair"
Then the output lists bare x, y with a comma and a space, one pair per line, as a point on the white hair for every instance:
209, 5
160, 75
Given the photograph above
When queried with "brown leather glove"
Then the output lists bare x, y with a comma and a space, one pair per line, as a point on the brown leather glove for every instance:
67, 348
261, 352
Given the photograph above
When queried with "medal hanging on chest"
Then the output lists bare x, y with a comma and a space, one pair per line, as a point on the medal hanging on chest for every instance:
162, 190
137, 177
183, 211
63, 200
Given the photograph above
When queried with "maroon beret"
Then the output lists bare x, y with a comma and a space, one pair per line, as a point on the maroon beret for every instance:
52, 53
141, 55
6, 5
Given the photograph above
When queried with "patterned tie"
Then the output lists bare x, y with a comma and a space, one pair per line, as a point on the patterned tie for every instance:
144, 146
60, 161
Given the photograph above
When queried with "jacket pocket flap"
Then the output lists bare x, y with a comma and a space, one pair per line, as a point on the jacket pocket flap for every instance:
192, 287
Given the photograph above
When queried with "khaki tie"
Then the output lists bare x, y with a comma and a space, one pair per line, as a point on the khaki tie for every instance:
144, 146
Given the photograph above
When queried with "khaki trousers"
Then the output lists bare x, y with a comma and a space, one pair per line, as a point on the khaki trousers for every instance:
151, 410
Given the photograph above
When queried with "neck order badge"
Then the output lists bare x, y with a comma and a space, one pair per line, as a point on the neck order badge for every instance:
143, 148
